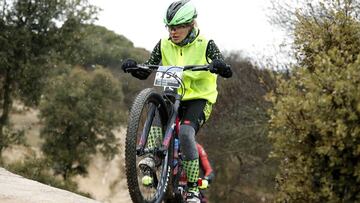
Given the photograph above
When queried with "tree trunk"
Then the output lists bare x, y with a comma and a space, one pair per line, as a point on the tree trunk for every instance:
6, 108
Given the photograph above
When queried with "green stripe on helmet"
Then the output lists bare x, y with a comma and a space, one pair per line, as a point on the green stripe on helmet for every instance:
183, 15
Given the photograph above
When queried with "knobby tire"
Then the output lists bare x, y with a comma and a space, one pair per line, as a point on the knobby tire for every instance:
144, 98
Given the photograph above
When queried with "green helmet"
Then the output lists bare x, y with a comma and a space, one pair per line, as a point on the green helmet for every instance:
180, 12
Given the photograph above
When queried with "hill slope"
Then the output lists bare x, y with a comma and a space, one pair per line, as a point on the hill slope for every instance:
16, 189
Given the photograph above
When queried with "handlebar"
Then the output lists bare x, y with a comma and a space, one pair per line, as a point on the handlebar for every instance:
185, 68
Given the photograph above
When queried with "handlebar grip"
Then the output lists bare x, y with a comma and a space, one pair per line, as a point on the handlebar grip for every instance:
202, 68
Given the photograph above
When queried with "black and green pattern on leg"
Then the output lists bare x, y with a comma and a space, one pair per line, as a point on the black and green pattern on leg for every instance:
192, 172
155, 136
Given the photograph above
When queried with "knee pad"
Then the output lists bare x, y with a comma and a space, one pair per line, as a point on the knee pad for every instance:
188, 143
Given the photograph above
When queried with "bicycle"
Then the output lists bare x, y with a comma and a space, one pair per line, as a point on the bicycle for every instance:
153, 110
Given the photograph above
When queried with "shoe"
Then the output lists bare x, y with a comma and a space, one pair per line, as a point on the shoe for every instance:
192, 197
147, 166
203, 184
147, 163
147, 180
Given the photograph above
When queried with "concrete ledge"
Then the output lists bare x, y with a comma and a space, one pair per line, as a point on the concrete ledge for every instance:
17, 189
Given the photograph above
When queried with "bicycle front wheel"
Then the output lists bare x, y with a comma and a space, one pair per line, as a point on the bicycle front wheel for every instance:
145, 132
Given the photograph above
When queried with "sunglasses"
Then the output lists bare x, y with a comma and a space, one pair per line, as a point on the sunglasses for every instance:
177, 27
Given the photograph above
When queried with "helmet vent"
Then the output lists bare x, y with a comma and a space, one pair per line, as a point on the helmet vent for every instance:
180, 12
174, 8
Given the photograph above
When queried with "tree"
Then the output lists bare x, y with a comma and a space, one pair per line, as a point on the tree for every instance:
286, 14
315, 119
29, 37
98, 45
80, 110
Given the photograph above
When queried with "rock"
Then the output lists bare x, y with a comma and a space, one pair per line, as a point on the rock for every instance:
17, 189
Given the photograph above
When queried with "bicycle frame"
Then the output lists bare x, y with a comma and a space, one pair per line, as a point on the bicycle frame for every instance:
169, 132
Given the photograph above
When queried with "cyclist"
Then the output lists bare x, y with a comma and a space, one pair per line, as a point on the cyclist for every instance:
185, 46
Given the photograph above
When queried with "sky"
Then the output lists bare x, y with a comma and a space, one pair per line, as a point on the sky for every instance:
233, 25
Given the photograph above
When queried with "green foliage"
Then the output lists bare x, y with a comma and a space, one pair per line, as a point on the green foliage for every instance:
29, 37
97, 45
13, 136
80, 109
101, 46
10, 137
316, 35
315, 120
316, 133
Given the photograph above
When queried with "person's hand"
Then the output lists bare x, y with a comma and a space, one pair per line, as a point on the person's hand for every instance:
141, 74
220, 67
128, 64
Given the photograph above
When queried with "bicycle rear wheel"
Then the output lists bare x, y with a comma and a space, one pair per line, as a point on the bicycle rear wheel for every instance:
148, 112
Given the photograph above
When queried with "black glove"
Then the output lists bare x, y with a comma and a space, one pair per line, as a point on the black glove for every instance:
128, 64
140, 73
220, 67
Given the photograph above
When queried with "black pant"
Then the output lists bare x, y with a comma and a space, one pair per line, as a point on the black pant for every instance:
191, 112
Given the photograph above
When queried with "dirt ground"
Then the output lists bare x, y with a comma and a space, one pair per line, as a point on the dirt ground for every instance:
106, 180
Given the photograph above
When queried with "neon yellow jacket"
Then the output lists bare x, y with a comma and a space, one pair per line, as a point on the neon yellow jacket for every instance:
198, 84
